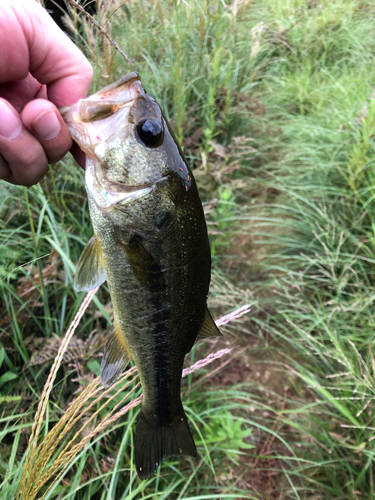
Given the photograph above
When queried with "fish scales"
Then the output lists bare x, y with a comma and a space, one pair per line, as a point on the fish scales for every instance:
154, 305
150, 244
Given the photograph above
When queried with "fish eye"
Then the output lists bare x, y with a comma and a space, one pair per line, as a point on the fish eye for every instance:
150, 132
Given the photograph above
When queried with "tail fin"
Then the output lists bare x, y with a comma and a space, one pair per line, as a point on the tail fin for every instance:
153, 443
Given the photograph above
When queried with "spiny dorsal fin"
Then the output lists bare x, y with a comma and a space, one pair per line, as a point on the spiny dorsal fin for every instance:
90, 267
115, 359
208, 329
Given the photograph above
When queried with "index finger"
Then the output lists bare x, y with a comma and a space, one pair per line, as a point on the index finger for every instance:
30, 42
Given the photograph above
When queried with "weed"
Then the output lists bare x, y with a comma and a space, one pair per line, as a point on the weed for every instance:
273, 102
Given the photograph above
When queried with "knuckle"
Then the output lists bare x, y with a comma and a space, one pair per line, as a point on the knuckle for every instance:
36, 177
24, 164
88, 69
31, 158
34, 167
86, 73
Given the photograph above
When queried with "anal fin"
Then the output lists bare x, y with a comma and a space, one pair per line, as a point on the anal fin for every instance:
90, 268
115, 359
208, 329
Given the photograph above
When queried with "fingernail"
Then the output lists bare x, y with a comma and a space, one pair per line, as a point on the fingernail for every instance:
10, 124
47, 125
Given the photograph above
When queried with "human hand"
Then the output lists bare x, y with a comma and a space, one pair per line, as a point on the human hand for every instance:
40, 70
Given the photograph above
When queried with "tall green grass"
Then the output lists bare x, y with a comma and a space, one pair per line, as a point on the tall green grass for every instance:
314, 236
273, 102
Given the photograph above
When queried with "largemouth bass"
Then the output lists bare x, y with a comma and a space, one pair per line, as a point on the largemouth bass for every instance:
150, 244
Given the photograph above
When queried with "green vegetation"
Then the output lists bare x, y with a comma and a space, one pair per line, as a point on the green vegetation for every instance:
274, 105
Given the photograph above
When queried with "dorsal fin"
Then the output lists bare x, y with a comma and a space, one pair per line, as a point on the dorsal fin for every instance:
208, 329
90, 268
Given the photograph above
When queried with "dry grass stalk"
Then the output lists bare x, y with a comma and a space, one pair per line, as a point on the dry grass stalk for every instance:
32, 449
100, 28
241, 311
41, 466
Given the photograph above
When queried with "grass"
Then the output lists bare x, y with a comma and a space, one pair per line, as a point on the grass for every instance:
273, 102
48, 460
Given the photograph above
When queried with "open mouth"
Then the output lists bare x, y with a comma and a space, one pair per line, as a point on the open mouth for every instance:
98, 117
102, 120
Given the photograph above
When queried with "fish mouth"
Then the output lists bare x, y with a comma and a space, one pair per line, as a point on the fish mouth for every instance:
95, 122
95, 119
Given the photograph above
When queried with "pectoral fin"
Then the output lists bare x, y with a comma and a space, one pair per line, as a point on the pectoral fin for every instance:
90, 268
144, 266
116, 358
208, 329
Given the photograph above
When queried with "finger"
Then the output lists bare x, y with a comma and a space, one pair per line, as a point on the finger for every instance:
44, 121
4, 169
31, 42
20, 92
78, 155
21, 151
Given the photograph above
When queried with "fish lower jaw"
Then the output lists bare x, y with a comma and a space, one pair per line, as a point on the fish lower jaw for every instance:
105, 198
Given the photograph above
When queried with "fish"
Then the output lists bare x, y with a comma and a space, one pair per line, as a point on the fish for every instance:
151, 246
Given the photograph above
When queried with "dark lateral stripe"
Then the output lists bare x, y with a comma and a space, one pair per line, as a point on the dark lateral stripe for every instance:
149, 274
